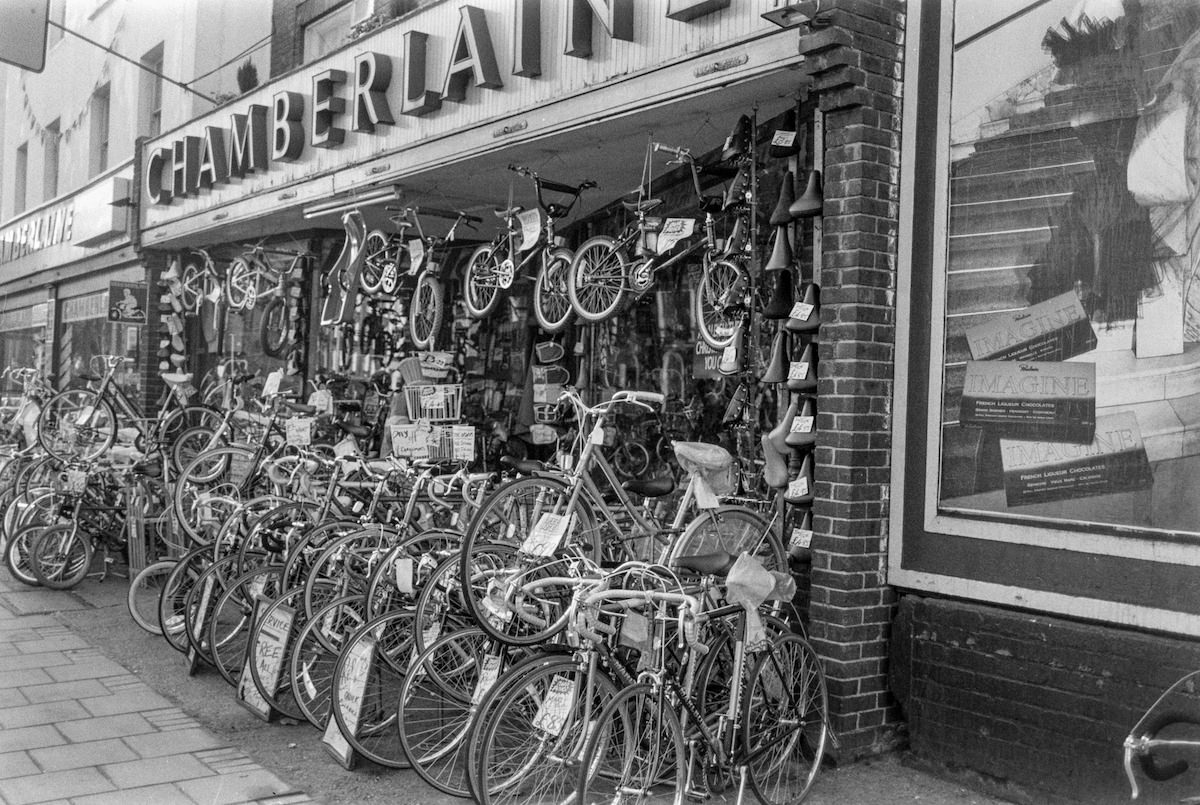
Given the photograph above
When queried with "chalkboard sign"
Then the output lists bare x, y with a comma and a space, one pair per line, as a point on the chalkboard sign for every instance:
352, 685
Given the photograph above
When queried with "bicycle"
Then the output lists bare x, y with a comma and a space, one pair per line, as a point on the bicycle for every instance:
1164, 739
82, 424
607, 273
494, 267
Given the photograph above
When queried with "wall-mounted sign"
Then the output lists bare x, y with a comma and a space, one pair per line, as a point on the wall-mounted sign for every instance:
33, 234
127, 302
425, 68
82, 308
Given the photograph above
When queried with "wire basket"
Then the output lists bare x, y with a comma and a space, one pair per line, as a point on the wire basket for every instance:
434, 442
434, 402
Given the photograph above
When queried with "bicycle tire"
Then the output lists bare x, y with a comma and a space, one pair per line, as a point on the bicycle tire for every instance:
375, 250
201, 601
715, 319
551, 300
279, 695
172, 603
343, 562
274, 327
479, 295
647, 741
180, 420
732, 529
77, 425
189, 293
596, 282
240, 284
311, 664
218, 474
60, 556
437, 706
145, 594
383, 586
426, 310
511, 729
17, 555
232, 619
191, 443
786, 687
375, 735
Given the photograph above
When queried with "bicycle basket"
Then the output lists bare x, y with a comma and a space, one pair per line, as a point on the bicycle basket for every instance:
434, 402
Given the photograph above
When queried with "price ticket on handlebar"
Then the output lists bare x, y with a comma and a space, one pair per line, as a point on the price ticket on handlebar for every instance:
76, 481
416, 254
489, 672
547, 535
556, 707
299, 431
531, 228
673, 231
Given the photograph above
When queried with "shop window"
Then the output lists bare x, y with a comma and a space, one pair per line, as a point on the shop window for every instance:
20, 176
50, 139
86, 334
101, 130
150, 92
331, 31
1066, 301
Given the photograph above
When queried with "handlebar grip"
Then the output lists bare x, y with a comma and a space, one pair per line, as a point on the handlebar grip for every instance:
1153, 768
677, 152
587, 184
521, 169
643, 397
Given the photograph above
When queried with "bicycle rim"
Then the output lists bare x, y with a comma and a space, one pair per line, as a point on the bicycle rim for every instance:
425, 311
77, 425
145, 594
716, 318
596, 285
481, 293
551, 302
60, 557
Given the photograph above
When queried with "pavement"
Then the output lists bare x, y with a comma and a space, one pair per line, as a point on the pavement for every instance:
78, 726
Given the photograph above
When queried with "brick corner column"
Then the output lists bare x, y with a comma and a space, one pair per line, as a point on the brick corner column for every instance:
856, 69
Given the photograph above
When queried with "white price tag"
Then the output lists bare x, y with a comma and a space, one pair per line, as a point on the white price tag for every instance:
802, 424
801, 538
798, 488
431, 633
784, 139
403, 568
566, 462
801, 311
673, 231
85, 413
346, 447
76, 481
463, 437
214, 295
433, 396
299, 431
556, 707
705, 497
546, 535
416, 254
271, 384
489, 672
798, 370
729, 354
597, 436
531, 228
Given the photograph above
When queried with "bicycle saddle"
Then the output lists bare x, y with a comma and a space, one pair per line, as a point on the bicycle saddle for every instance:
641, 206
88, 376
651, 487
711, 203
237, 381
355, 430
510, 212
525, 466
379, 467
717, 563
300, 408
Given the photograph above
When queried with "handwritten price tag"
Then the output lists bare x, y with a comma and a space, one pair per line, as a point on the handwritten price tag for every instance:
798, 370
801, 311
784, 139
463, 437
531, 228
801, 538
802, 424
546, 535
552, 713
673, 231
798, 488
299, 431
489, 672
416, 254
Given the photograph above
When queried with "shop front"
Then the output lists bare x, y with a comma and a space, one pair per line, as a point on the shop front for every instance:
1046, 521
432, 211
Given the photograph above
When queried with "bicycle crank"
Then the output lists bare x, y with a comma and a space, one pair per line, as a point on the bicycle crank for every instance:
505, 273
641, 276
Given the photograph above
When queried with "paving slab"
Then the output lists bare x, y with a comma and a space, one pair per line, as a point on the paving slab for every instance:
43, 713
55, 643
149, 771
54, 785
30, 738
24, 676
56, 691
95, 729
232, 788
91, 668
156, 744
132, 701
36, 602
17, 764
89, 753
44, 660
164, 794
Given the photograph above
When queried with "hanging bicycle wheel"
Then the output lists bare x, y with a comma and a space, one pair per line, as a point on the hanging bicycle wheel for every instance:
551, 302
718, 302
273, 330
77, 425
241, 284
425, 311
481, 286
596, 280
375, 261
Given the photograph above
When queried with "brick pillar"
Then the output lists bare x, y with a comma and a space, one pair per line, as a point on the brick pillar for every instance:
151, 382
855, 66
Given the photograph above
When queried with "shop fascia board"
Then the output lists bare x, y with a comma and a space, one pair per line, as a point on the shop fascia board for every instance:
740, 63
44, 275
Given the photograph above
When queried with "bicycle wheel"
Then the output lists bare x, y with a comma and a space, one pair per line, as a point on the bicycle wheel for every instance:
551, 302
178, 421
77, 425
189, 287
717, 313
232, 618
145, 593
635, 752
596, 280
375, 260
425, 311
372, 730
241, 284
211, 486
273, 330
481, 288
732, 529
60, 556
315, 653
269, 656
191, 443
438, 700
536, 733
172, 603
631, 460
785, 721
17, 554
201, 603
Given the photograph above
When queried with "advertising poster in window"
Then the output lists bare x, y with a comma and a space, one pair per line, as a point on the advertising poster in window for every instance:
1071, 379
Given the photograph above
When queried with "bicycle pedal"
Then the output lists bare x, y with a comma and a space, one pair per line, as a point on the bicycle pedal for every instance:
696, 795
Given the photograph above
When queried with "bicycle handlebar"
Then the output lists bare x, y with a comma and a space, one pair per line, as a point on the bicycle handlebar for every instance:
678, 153
1142, 746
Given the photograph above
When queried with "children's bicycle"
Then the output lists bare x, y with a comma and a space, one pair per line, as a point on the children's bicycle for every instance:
526, 239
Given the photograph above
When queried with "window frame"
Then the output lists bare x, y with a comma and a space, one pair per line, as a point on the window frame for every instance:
150, 94
21, 179
101, 140
50, 167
